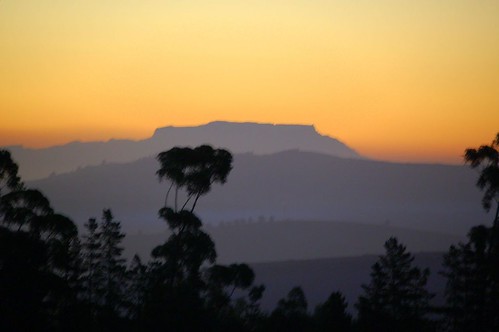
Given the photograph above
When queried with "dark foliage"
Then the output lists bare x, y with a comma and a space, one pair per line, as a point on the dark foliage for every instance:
194, 170
186, 291
472, 268
291, 313
396, 298
332, 315
472, 291
486, 157
49, 281
104, 281
36, 275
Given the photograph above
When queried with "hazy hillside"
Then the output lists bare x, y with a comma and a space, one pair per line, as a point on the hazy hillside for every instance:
299, 240
236, 137
290, 185
319, 278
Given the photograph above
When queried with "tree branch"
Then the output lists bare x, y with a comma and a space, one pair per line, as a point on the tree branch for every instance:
167, 193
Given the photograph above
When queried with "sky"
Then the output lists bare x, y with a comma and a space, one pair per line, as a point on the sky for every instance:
409, 81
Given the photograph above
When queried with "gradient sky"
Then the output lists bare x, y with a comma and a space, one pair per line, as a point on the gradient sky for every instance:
396, 80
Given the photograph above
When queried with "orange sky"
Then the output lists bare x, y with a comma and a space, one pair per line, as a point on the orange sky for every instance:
396, 80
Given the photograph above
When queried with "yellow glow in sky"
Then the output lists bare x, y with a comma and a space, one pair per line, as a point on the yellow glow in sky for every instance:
396, 80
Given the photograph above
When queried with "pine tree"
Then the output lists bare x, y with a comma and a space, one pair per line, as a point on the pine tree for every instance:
472, 289
137, 284
396, 298
332, 315
92, 277
112, 264
291, 313
105, 269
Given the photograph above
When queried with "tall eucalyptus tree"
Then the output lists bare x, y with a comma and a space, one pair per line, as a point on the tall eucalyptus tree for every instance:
486, 157
472, 267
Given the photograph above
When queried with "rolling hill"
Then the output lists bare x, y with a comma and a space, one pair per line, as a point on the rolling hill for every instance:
319, 278
267, 241
291, 185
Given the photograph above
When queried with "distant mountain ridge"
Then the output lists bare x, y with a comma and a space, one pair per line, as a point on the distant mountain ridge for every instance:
236, 137
290, 185
273, 241
255, 138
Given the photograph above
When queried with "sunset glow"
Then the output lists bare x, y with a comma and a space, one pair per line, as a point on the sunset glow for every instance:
396, 80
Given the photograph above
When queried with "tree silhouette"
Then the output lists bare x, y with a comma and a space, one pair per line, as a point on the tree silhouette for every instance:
223, 284
138, 279
332, 315
396, 298
9, 180
248, 310
472, 289
486, 156
187, 248
35, 266
105, 270
92, 278
224, 280
50, 281
112, 262
291, 313
175, 297
472, 268
194, 170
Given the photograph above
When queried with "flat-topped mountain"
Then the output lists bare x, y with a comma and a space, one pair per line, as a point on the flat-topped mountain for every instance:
255, 138
236, 137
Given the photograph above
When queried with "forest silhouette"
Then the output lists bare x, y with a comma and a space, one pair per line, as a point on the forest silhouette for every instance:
53, 279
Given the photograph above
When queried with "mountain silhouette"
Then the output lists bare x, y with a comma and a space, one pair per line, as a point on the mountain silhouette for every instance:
235, 137
291, 185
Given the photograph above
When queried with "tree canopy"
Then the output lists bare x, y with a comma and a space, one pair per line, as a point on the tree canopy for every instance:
486, 157
51, 281
396, 299
194, 169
